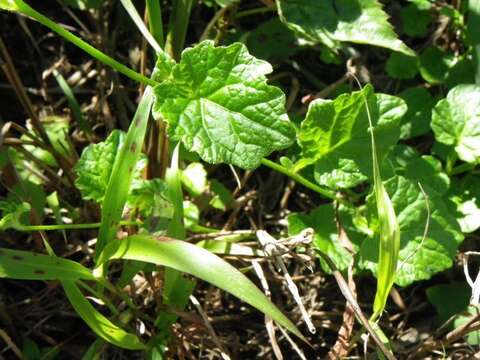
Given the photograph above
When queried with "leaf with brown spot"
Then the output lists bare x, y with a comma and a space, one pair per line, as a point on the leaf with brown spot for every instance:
25, 265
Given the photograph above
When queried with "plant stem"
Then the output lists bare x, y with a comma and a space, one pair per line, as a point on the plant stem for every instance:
177, 27
300, 179
463, 168
451, 159
70, 226
155, 21
260, 10
104, 58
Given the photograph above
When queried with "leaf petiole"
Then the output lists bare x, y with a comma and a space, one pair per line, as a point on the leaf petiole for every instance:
70, 226
301, 180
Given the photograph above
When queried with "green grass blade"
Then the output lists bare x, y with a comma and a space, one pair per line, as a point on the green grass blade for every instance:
122, 173
103, 327
133, 13
473, 29
198, 262
176, 227
155, 20
73, 103
25, 265
177, 27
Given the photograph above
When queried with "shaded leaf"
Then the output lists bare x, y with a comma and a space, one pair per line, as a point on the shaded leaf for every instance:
272, 40
330, 22
415, 21
401, 66
440, 296
434, 65
416, 120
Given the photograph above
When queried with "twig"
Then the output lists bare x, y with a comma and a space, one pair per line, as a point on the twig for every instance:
268, 320
209, 327
275, 250
11, 344
343, 285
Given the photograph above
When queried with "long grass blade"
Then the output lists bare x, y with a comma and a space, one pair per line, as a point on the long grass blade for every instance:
122, 173
133, 13
198, 262
25, 265
103, 327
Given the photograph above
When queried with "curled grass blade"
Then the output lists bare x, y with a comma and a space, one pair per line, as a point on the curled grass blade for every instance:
198, 262
389, 232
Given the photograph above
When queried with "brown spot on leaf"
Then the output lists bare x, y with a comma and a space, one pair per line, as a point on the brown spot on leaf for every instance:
39, 272
133, 147
16, 257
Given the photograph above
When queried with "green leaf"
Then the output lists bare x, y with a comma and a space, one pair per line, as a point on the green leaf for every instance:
25, 265
415, 21
473, 337
437, 250
401, 66
272, 40
416, 120
463, 72
194, 178
422, 4
94, 167
322, 221
426, 169
198, 262
330, 22
222, 198
440, 296
103, 327
456, 121
334, 131
150, 198
217, 102
434, 65
13, 212
465, 195
27, 191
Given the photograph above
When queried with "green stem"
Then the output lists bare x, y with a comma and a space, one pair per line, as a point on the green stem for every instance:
451, 159
29, 11
463, 168
177, 27
155, 20
255, 11
301, 180
70, 226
